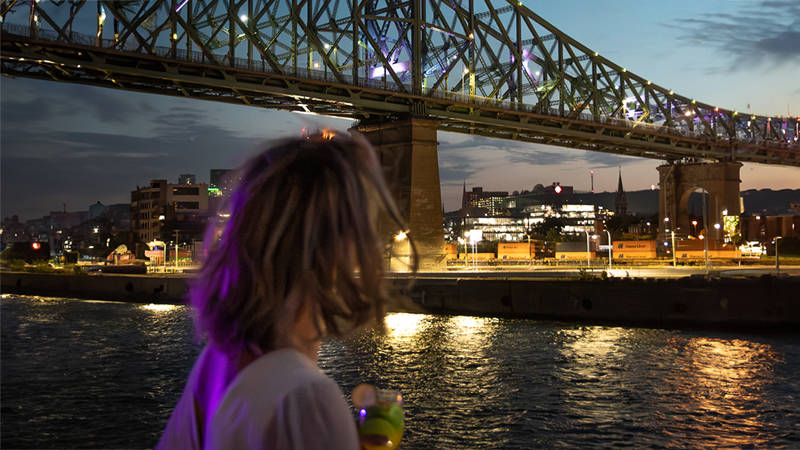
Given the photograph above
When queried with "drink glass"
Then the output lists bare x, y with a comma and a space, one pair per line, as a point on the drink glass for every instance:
380, 417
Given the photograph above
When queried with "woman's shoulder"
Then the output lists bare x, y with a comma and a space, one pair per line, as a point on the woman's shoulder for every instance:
275, 377
281, 395
279, 371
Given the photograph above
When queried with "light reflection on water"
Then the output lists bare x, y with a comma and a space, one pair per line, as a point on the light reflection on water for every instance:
89, 374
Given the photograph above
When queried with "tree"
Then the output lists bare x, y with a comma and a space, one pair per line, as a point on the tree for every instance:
549, 229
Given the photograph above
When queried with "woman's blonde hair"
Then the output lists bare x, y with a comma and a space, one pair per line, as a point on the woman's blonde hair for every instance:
302, 232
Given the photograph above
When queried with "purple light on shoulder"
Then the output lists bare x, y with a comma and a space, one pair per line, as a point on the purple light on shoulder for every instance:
362, 413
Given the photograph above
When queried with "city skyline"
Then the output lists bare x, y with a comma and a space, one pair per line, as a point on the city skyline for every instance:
99, 144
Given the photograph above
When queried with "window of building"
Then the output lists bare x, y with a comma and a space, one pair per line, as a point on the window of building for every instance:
185, 191
187, 205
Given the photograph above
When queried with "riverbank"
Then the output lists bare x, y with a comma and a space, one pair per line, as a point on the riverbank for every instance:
753, 302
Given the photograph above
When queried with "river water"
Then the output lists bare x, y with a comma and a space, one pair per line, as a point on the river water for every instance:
95, 374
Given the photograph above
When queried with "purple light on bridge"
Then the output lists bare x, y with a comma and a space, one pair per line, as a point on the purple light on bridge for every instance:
178, 9
379, 72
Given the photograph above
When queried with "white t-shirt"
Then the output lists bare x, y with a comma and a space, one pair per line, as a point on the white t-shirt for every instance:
279, 401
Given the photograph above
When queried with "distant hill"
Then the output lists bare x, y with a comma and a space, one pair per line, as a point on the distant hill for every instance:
645, 202
767, 201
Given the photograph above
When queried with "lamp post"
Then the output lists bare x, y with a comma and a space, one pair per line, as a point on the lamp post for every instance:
530, 253
176, 251
705, 227
609, 249
674, 257
667, 229
398, 238
777, 261
475, 236
464, 72
588, 262
466, 248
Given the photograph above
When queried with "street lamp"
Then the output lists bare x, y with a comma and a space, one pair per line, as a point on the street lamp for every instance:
694, 228
588, 255
466, 248
475, 236
716, 233
777, 261
530, 253
400, 237
674, 257
609, 249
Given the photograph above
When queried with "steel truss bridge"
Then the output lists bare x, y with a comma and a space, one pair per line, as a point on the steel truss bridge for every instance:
491, 68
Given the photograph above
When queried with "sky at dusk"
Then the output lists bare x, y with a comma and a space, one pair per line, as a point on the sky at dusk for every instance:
74, 145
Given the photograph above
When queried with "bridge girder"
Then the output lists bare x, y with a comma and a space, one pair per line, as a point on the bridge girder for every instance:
512, 74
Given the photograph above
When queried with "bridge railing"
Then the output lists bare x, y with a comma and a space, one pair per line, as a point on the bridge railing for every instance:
678, 129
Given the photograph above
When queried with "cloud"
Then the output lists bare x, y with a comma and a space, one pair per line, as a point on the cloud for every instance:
25, 103
80, 167
764, 32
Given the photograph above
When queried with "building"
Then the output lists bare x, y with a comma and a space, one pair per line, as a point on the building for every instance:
620, 201
491, 201
119, 215
159, 209
222, 182
575, 218
764, 228
187, 178
13, 231
505, 229
63, 220
97, 210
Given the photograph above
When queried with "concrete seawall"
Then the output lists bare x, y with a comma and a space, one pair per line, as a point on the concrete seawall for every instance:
129, 288
764, 302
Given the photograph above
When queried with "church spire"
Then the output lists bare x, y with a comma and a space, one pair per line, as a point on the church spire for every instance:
464, 196
620, 201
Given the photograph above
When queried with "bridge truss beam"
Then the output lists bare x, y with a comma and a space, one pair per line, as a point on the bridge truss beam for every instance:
487, 68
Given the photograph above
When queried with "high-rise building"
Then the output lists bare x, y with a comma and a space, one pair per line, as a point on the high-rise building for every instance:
490, 201
620, 201
162, 206
222, 182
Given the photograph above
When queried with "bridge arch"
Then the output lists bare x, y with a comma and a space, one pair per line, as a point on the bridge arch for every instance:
677, 182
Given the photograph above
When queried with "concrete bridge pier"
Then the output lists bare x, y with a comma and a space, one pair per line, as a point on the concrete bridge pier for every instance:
408, 152
677, 181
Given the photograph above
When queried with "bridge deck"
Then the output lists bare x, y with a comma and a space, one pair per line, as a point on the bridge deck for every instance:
522, 79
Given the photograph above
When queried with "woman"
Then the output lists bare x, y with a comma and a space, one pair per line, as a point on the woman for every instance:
298, 259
